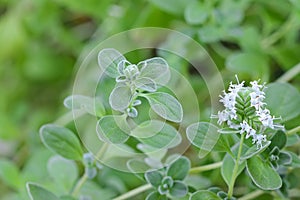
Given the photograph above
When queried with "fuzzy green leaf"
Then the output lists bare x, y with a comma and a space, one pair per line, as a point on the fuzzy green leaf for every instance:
156, 196
9, 174
63, 172
153, 177
108, 60
179, 169
283, 100
120, 98
204, 194
113, 128
203, 135
37, 192
61, 141
252, 151
196, 13
179, 189
278, 140
262, 174
165, 106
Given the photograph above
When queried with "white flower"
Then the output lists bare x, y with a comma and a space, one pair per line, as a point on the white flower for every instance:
223, 117
245, 128
259, 139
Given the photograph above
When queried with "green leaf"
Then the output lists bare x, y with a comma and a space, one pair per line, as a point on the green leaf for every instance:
156, 69
196, 13
204, 194
253, 150
179, 189
63, 172
9, 174
292, 139
137, 166
285, 158
175, 7
210, 33
153, 177
222, 144
251, 64
88, 104
227, 167
295, 160
120, 98
66, 197
146, 84
61, 141
165, 106
278, 140
157, 134
283, 100
37, 192
113, 128
203, 135
108, 60
156, 196
262, 174
179, 169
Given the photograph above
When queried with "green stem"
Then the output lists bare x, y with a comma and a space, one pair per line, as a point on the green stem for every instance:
287, 76
205, 168
293, 131
236, 167
252, 195
143, 188
134, 192
279, 33
84, 178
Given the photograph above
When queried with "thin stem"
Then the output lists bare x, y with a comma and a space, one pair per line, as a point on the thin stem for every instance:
236, 167
134, 192
279, 33
287, 76
252, 195
293, 131
84, 177
205, 168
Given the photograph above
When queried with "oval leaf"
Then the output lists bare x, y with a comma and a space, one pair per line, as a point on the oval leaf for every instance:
252, 151
204, 194
179, 189
165, 106
154, 178
37, 192
160, 136
179, 169
196, 13
108, 60
120, 97
61, 141
113, 129
9, 174
283, 100
203, 135
146, 84
227, 167
262, 174
63, 172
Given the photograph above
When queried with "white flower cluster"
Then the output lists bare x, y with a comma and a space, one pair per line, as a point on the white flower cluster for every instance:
242, 123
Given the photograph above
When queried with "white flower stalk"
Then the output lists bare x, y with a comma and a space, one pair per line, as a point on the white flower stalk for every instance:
246, 112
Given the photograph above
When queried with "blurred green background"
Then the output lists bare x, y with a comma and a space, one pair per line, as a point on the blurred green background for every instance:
41, 40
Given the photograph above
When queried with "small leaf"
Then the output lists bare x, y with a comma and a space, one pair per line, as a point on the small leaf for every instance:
179, 169
175, 7
179, 189
210, 33
203, 135
158, 134
285, 158
278, 140
120, 98
252, 151
204, 194
196, 13
154, 177
252, 64
9, 174
146, 84
165, 106
37, 192
137, 166
156, 69
108, 60
61, 141
63, 172
295, 160
112, 128
88, 104
156, 196
227, 167
283, 100
262, 174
